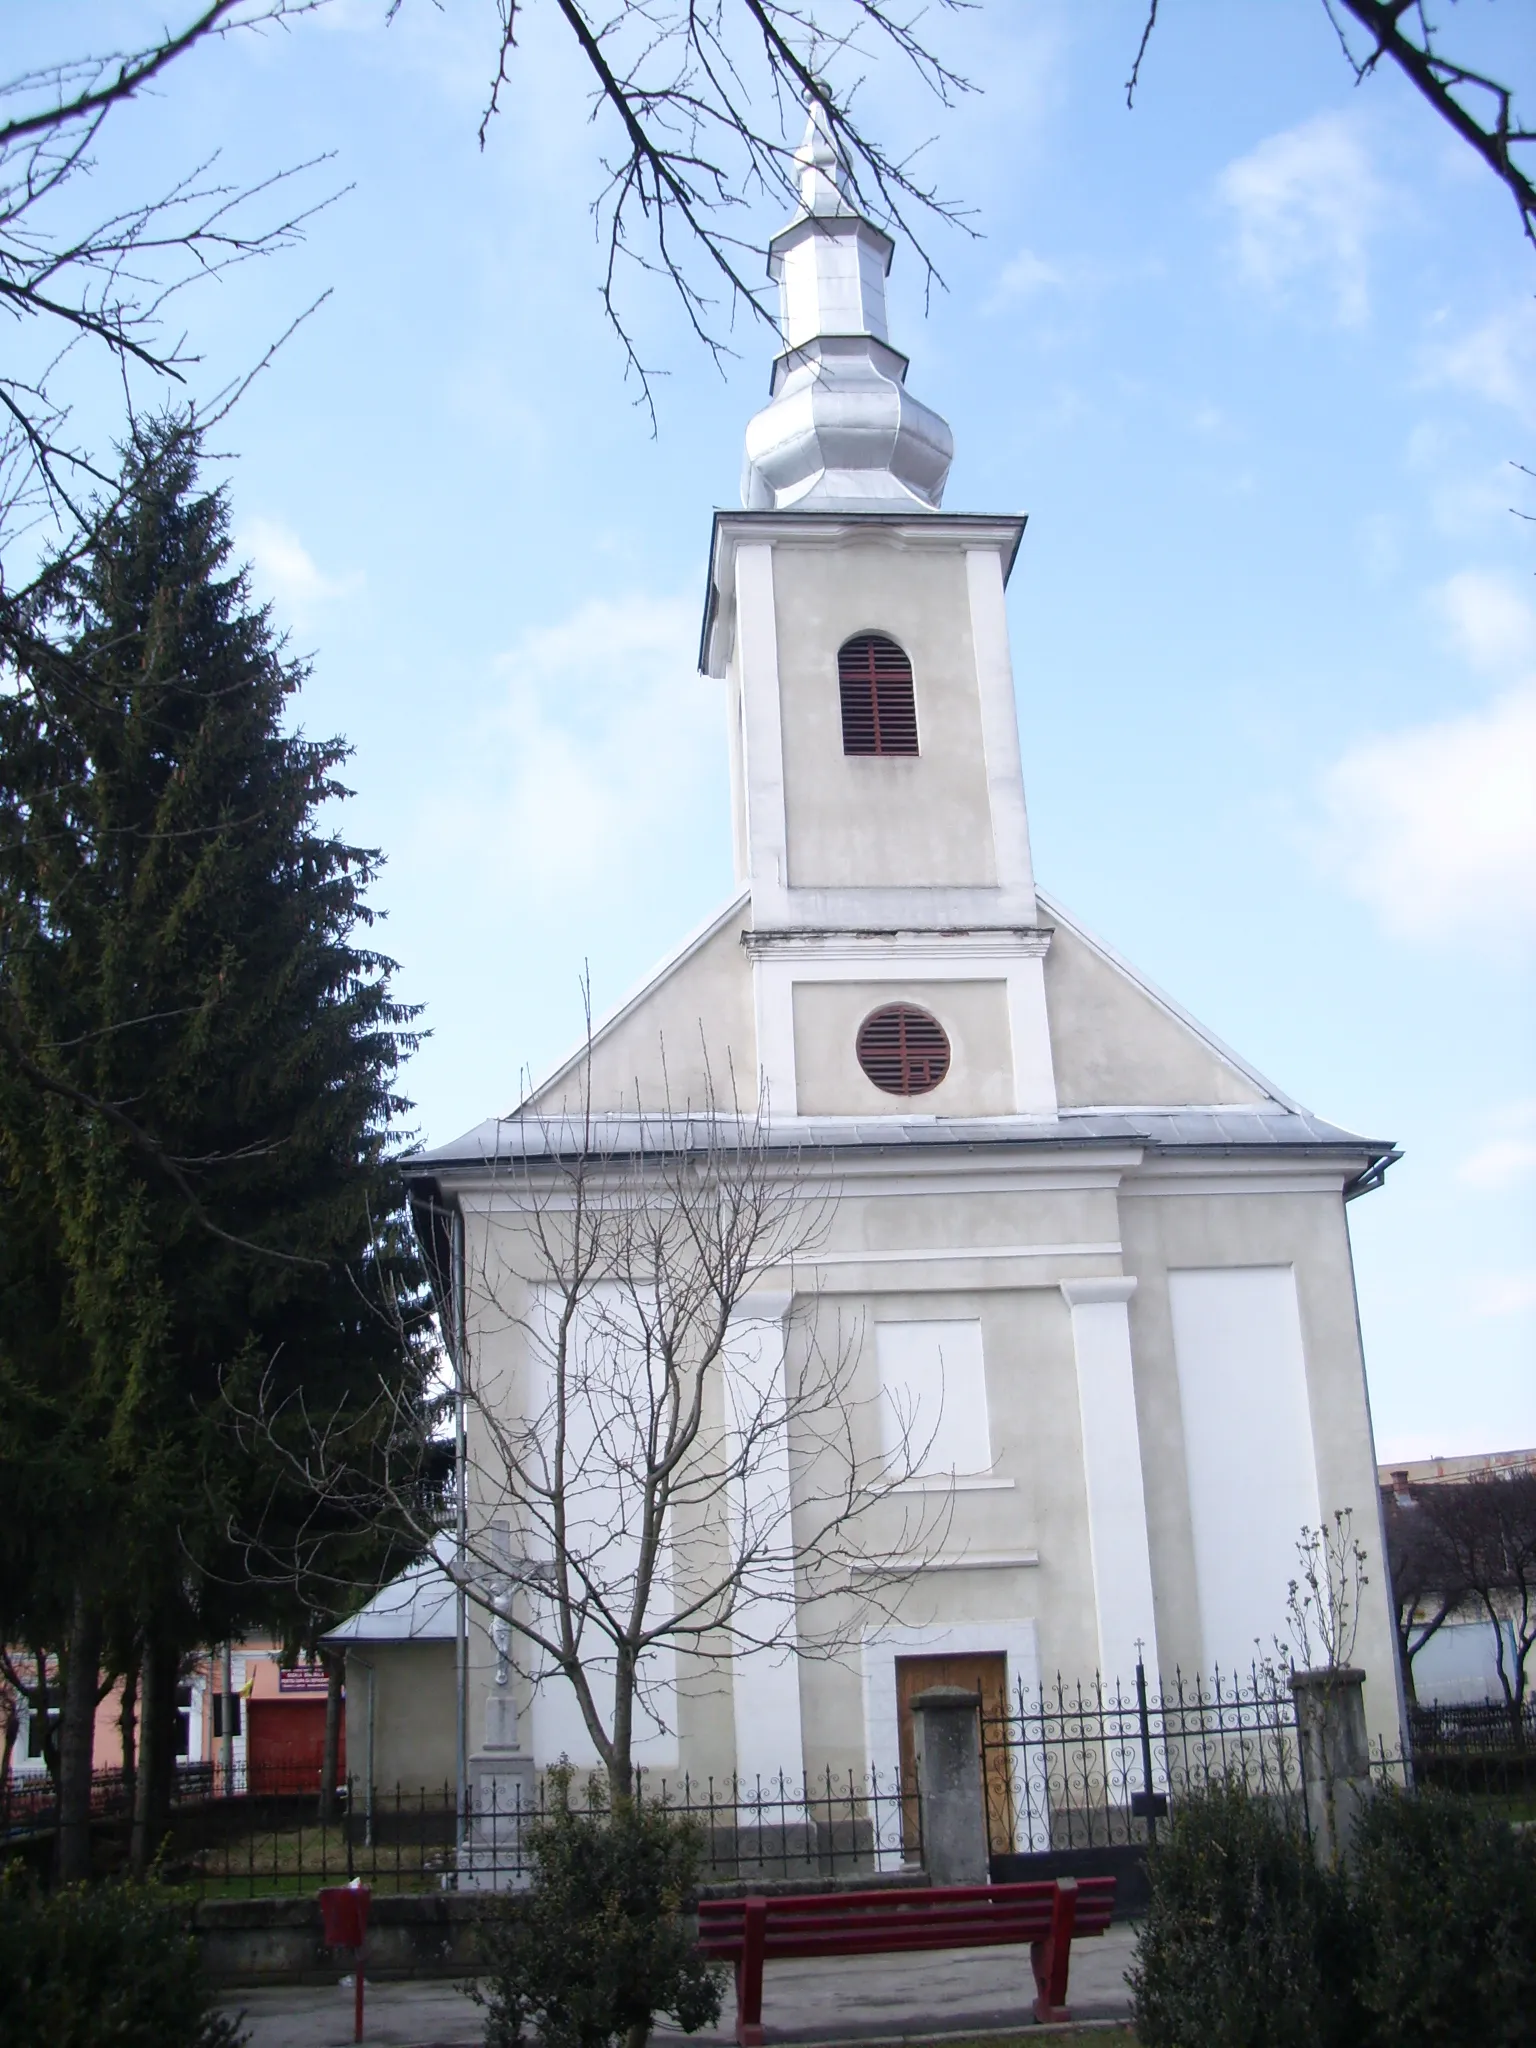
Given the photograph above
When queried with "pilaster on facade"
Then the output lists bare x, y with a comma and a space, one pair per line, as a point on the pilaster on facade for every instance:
765, 1677
757, 665
1117, 1509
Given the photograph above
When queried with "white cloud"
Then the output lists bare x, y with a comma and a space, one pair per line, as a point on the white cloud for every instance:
1496, 361
1435, 826
284, 569
595, 765
1501, 1163
1306, 202
1504, 1294
1509, 1157
1491, 622
1023, 276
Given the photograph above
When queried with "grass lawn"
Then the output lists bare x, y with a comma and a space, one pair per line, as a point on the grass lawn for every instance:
287, 1862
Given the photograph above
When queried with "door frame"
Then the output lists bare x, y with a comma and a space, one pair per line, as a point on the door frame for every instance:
1018, 1642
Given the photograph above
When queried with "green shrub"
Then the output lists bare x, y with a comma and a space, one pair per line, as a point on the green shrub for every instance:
599, 1946
1447, 1899
84, 1967
1246, 1943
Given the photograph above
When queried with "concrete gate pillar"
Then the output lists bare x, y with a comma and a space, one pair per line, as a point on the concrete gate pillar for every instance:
1335, 1756
954, 1812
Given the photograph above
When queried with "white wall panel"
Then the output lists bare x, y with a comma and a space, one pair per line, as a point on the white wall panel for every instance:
1247, 1446
933, 1408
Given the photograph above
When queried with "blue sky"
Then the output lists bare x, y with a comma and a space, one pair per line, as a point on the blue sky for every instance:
1256, 359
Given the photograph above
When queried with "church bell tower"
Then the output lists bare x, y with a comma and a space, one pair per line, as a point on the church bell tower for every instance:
878, 796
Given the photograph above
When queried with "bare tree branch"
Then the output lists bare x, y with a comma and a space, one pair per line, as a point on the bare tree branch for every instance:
1401, 31
80, 294
1141, 50
1439, 78
87, 87
659, 1466
706, 97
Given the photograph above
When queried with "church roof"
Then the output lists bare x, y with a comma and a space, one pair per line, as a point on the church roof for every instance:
1223, 1132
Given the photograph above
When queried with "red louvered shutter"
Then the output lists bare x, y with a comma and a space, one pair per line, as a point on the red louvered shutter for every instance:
874, 679
903, 1050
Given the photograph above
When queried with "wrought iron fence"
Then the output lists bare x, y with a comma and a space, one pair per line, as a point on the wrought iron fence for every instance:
840, 1824
261, 1832
1488, 1728
1485, 1751
29, 1803
1089, 1767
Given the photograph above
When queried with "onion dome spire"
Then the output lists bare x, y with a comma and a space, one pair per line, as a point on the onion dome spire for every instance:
841, 432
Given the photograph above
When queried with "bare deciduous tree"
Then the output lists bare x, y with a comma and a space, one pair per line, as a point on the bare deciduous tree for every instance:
660, 1464
78, 289
1427, 1583
1488, 1525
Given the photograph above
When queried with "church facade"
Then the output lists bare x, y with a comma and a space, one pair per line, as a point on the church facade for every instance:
1111, 1258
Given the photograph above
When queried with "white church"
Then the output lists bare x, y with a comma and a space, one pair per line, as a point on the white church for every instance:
1119, 1253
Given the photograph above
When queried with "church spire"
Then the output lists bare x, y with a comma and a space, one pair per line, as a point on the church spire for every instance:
841, 432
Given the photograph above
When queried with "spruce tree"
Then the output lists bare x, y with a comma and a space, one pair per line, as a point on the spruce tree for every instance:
198, 1107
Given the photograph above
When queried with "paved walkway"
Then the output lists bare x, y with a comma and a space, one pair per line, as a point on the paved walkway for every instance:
843, 1998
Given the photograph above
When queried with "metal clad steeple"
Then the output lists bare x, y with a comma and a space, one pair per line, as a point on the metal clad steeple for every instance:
841, 432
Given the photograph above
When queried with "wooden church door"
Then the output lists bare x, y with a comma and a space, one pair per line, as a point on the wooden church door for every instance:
984, 1673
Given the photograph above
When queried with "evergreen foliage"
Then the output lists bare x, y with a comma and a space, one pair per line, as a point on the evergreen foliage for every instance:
198, 1052
1447, 1899
598, 1947
113, 1967
1427, 1934
1246, 1943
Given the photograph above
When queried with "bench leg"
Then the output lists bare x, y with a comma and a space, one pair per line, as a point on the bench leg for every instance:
749, 1975
1052, 1957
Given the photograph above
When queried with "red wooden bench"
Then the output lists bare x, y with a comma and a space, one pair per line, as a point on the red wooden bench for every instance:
748, 1932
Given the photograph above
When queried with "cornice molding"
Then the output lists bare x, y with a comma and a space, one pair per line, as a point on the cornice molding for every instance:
905, 943
1090, 1293
1000, 532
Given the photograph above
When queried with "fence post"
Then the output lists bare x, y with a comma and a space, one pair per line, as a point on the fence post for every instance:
1335, 1756
954, 1811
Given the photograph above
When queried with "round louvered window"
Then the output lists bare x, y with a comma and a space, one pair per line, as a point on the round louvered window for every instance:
903, 1050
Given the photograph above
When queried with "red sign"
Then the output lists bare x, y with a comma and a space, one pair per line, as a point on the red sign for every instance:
302, 1678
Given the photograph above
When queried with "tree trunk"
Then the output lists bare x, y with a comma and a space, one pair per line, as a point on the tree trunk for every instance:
1408, 1650
77, 1741
331, 1764
128, 1728
10, 1731
159, 1665
227, 1718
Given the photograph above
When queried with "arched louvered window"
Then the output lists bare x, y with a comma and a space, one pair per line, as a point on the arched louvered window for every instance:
903, 1050
879, 710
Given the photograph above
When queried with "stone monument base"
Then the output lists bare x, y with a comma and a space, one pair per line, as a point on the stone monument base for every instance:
502, 1800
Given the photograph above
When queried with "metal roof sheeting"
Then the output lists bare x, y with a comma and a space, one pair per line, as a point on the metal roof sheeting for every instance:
415, 1608
1265, 1127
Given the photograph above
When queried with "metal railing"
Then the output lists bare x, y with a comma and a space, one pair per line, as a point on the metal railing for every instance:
840, 1824
1488, 1728
1085, 1766
29, 1804
261, 1833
